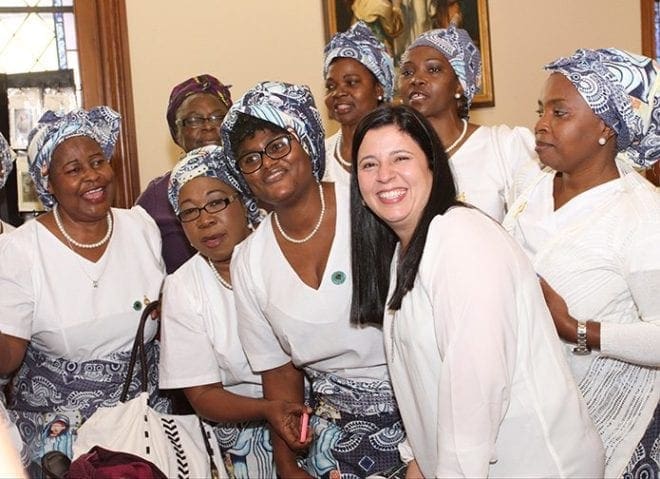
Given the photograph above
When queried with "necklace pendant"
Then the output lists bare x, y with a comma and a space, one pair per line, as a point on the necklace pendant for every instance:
95, 284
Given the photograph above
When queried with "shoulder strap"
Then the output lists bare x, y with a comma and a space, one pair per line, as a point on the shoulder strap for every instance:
138, 348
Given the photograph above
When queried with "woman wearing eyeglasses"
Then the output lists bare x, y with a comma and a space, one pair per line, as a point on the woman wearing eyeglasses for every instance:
292, 286
195, 111
201, 351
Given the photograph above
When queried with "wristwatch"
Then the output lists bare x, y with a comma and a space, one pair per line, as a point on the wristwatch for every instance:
581, 348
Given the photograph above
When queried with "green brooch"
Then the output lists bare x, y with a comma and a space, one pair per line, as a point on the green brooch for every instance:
338, 277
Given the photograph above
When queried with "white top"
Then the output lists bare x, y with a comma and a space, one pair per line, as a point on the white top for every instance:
600, 253
6, 227
199, 335
485, 165
334, 172
48, 297
478, 372
283, 319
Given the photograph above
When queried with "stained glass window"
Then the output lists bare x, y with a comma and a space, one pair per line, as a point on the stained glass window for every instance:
37, 35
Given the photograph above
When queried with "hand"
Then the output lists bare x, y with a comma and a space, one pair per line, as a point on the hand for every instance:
285, 419
413, 471
566, 326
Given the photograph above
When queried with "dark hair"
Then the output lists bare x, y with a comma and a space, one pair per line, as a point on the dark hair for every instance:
372, 241
246, 126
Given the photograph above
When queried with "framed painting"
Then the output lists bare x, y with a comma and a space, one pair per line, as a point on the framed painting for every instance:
28, 200
398, 27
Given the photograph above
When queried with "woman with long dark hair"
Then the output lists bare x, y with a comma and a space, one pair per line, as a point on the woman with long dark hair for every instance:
476, 367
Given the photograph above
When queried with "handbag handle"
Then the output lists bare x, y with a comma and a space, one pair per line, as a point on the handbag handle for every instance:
138, 348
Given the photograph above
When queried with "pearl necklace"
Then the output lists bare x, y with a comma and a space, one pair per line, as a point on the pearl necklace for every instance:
460, 137
316, 228
223, 282
104, 240
340, 158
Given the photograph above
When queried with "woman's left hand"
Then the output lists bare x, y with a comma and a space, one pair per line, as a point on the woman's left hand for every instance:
566, 326
286, 418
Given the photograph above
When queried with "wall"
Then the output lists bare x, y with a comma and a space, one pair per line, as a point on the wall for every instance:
246, 41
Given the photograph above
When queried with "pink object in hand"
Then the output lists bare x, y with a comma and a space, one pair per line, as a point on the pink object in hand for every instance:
304, 422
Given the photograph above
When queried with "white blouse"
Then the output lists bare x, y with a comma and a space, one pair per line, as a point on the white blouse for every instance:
283, 319
600, 253
6, 227
481, 381
48, 295
199, 335
334, 172
485, 165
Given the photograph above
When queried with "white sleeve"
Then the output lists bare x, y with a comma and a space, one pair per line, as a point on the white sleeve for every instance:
152, 232
473, 293
638, 342
261, 345
187, 358
17, 297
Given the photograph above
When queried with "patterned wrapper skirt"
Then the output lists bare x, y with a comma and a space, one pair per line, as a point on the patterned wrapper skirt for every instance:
357, 429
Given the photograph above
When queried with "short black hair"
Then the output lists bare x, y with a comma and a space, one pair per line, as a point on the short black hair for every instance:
246, 126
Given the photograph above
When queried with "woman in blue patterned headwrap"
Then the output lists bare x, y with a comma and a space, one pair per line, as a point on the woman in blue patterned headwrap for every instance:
359, 75
201, 351
6, 165
440, 74
74, 282
292, 286
591, 224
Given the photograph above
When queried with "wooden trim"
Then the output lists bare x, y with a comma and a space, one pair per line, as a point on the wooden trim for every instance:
648, 27
105, 74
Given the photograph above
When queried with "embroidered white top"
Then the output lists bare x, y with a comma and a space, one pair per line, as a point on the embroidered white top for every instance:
199, 333
47, 292
600, 252
283, 319
482, 384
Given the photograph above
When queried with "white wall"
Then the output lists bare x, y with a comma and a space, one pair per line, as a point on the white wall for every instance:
246, 41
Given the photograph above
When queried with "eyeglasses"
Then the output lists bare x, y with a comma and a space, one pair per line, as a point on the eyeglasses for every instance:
275, 149
195, 122
212, 207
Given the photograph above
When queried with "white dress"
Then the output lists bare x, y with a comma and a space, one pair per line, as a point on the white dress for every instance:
199, 335
485, 165
334, 172
6, 227
479, 374
600, 253
48, 295
283, 319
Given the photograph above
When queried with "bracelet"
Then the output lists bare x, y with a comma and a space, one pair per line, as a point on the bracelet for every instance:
581, 348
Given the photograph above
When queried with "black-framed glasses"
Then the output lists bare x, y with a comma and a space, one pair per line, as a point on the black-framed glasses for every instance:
195, 122
212, 207
275, 149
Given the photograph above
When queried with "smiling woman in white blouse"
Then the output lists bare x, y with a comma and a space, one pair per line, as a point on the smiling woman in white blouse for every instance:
477, 369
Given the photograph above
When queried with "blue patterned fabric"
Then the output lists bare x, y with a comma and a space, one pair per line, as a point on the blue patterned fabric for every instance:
209, 161
461, 52
287, 106
100, 123
359, 43
645, 462
357, 427
48, 390
247, 449
6, 161
623, 89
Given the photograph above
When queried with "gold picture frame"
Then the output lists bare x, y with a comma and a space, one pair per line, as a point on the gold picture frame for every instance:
473, 18
28, 200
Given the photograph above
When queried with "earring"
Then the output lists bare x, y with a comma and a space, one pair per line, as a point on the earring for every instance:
380, 98
457, 96
602, 141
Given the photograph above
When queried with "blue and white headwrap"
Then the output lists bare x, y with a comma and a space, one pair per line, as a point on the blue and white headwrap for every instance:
623, 89
100, 124
209, 160
359, 43
461, 52
6, 161
287, 106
